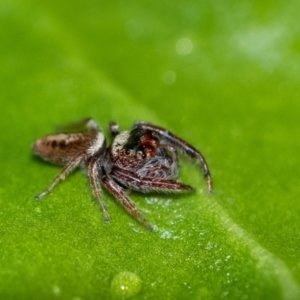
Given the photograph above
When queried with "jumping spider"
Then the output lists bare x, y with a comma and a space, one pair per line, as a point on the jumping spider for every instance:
144, 159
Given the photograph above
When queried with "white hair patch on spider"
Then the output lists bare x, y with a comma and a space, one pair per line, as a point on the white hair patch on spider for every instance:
120, 140
92, 124
97, 144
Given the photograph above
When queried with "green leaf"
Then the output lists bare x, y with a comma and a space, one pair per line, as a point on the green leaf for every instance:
222, 75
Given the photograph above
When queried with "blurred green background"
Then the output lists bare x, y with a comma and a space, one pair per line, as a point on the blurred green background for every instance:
223, 75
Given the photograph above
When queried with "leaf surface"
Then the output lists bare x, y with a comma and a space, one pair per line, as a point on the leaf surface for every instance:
223, 76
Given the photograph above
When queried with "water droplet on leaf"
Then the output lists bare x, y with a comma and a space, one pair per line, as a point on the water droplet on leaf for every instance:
125, 285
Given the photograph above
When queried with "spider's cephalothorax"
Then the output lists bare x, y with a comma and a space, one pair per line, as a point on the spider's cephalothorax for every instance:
143, 159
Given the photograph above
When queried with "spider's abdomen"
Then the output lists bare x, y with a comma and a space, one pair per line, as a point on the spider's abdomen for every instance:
61, 148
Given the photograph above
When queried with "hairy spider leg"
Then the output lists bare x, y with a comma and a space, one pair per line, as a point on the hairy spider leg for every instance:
67, 169
114, 128
174, 155
182, 145
118, 192
96, 187
147, 184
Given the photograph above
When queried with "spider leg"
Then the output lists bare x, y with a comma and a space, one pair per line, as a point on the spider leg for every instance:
96, 188
147, 184
118, 192
114, 128
174, 155
75, 162
86, 124
182, 145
